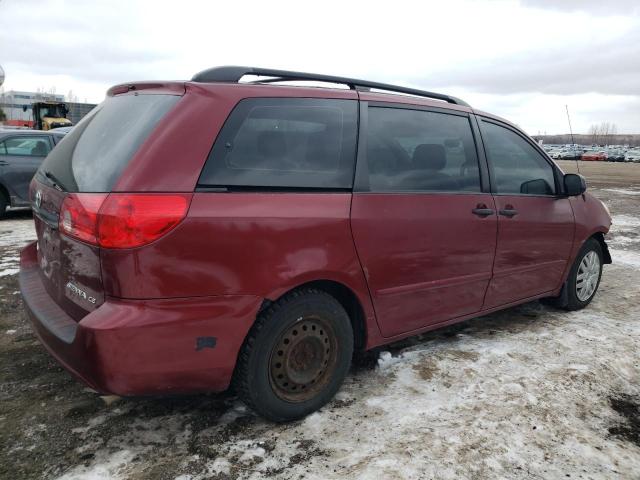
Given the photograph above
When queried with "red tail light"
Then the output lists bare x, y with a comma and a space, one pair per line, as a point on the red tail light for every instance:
121, 220
79, 216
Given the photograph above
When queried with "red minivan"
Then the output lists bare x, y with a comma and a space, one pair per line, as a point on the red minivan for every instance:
196, 235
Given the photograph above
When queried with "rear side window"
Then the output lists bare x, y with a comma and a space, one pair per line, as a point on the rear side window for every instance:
517, 167
92, 156
423, 151
285, 143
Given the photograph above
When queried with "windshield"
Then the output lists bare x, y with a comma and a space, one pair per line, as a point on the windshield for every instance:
55, 111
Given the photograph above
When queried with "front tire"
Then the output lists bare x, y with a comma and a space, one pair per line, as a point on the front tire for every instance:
584, 277
296, 356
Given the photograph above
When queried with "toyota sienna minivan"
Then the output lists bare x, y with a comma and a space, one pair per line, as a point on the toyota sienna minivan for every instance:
224, 231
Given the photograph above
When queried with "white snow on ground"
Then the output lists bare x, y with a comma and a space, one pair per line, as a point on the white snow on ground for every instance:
13, 234
9, 271
626, 257
111, 466
16, 233
625, 221
623, 191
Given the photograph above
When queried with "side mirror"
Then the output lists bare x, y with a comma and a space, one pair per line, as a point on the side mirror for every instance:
574, 184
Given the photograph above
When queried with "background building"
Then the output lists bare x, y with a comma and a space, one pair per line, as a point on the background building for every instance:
13, 103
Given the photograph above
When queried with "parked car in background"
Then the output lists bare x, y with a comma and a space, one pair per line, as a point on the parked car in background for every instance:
632, 156
615, 155
570, 154
594, 156
21, 153
193, 235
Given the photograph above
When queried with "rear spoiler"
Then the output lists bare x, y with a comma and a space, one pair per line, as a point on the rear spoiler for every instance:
158, 88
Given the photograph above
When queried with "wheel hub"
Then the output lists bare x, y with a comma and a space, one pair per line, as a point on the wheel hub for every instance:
302, 360
588, 276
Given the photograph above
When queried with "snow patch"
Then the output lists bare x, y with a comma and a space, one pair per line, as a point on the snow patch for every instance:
625, 257
107, 467
17, 233
623, 191
625, 221
9, 271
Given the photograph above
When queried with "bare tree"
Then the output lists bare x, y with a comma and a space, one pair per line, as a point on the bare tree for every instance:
71, 97
603, 134
594, 133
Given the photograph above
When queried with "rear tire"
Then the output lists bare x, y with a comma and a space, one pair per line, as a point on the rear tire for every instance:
584, 277
296, 356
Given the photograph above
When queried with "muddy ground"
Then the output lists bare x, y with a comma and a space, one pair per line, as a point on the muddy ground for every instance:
530, 392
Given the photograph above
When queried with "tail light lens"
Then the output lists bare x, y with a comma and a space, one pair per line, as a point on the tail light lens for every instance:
121, 220
79, 216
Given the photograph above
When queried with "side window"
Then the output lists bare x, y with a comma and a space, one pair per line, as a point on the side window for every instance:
285, 142
26, 146
414, 150
516, 165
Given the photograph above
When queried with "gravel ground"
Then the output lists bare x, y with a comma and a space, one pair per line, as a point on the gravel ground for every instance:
529, 392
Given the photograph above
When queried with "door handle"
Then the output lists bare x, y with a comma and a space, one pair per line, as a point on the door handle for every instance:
3, 163
508, 212
482, 211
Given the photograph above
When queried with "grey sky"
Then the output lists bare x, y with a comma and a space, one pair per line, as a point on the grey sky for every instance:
522, 60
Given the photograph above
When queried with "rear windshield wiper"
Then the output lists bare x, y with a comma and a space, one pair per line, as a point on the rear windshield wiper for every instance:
57, 184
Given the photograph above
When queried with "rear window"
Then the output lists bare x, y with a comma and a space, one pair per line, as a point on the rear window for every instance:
92, 156
285, 143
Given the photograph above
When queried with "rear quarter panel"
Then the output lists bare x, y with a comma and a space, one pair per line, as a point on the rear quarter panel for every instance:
261, 244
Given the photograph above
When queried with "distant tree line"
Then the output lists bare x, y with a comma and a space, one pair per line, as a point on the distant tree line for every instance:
603, 134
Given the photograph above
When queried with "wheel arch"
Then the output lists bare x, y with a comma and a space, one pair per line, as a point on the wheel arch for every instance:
345, 296
606, 256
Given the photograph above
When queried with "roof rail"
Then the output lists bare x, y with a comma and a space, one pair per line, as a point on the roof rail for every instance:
233, 74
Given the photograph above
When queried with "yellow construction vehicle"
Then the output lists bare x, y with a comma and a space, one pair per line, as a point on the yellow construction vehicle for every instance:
50, 115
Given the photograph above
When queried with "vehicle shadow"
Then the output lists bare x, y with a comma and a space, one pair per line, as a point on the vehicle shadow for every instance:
17, 214
512, 320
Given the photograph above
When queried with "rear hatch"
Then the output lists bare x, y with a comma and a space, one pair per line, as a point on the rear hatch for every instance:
74, 182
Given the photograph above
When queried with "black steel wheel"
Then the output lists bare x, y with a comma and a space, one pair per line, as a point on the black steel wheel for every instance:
296, 356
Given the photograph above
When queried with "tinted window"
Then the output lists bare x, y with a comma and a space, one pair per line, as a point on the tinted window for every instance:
413, 150
516, 165
302, 143
30, 146
92, 156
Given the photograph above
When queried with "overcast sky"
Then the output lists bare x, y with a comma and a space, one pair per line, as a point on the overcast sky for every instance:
523, 60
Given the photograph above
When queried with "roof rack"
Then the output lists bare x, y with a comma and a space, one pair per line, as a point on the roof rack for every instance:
233, 74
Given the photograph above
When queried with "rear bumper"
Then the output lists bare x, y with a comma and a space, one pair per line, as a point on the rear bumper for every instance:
142, 347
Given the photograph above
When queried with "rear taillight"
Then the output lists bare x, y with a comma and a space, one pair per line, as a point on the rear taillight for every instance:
128, 221
121, 220
79, 216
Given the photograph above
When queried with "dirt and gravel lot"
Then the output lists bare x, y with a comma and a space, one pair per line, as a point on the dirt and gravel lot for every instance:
530, 392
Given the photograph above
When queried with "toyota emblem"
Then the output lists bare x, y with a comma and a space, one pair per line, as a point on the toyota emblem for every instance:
38, 199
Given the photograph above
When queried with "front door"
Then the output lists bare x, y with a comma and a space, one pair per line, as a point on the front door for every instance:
535, 224
424, 230
20, 157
